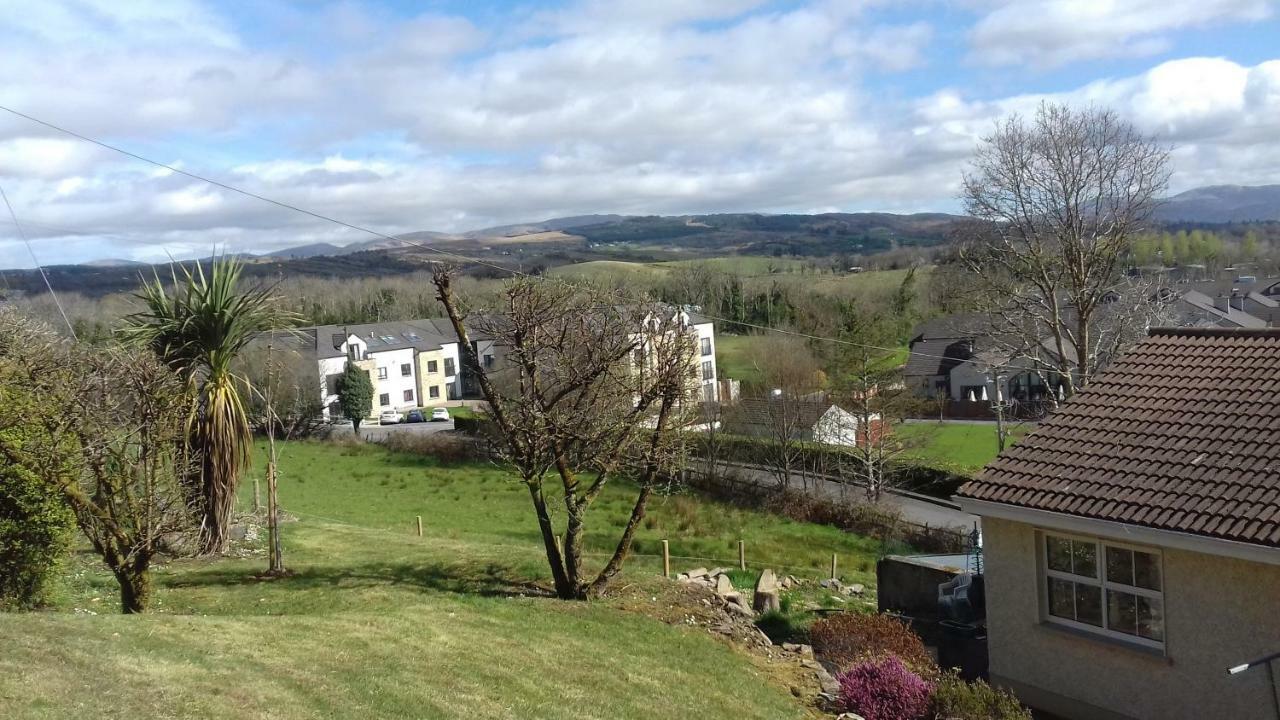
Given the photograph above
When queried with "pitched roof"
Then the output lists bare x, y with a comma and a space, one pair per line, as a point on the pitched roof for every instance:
937, 357
422, 334
1181, 433
765, 414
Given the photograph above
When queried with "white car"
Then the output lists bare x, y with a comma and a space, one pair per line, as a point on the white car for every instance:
389, 417
439, 414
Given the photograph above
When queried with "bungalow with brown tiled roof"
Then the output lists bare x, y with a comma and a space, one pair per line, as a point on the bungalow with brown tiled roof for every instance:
1132, 542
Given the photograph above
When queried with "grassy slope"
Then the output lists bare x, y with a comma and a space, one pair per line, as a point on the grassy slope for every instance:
380, 623
964, 446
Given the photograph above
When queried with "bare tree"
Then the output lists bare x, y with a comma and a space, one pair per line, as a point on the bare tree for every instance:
790, 375
870, 389
587, 388
1056, 203
120, 417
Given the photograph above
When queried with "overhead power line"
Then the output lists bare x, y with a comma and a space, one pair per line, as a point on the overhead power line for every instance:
22, 234
446, 253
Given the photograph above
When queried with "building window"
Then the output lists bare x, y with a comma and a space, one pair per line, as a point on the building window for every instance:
408, 396
353, 352
384, 399
433, 366
709, 393
434, 390
382, 373
406, 369
1111, 589
706, 346
448, 367
488, 362
708, 373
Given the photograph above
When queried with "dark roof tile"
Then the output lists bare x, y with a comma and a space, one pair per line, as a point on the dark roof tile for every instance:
1182, 433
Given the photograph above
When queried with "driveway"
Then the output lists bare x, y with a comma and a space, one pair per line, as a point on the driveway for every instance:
919, 509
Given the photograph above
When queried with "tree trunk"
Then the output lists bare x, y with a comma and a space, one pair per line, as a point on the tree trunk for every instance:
135, 586
563, 589
573, 554
624, 545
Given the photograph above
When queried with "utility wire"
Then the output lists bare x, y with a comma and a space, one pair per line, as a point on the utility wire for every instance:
22, 234
429, 248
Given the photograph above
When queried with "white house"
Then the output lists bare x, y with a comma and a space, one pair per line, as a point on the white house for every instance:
417, 363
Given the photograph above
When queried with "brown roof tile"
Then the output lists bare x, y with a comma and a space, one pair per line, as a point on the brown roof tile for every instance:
1182, 433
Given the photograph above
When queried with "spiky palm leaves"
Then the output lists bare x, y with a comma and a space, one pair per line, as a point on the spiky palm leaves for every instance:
198, 330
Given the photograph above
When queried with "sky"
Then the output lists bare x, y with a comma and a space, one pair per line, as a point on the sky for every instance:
457, 115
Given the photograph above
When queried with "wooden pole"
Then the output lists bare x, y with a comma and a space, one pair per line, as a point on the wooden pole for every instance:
419, 526
742, 555
833, 566
666, 559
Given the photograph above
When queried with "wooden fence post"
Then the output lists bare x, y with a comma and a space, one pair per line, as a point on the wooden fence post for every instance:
833, 566
419, 526
742, 555
666, 559
257, 496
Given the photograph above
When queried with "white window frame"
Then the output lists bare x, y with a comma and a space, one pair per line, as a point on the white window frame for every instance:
1100, 581
384, 402
382, 373
406, 369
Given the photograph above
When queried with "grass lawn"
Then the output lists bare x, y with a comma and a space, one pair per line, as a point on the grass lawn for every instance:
734, 358
963, 446
377, 622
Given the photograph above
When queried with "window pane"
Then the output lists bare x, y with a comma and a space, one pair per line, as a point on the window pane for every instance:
1059, 553
1150, 618
1061, 599
1122, 613
1084, 558
1120, 565
1146, 570
1089, 604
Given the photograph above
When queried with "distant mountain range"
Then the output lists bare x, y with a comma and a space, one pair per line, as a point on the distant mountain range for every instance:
1223, 204
745, 233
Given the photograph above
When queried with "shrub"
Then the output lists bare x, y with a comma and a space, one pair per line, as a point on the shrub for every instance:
884, 689
35, 527
446, 448
955, 699
848, 638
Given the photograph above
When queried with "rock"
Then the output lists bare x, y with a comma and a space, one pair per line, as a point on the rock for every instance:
828, 683
849, 716
766, 596
738, 609
723, 585
697, 573
854, 589
796, 691
718, 571
238, 532
831, 584
804, 651
765, 601
683, 577
735, 598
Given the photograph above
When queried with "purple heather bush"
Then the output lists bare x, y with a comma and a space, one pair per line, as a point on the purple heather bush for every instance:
884, 689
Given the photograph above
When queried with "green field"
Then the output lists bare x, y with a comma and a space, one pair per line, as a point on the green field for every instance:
965, 447
377, 622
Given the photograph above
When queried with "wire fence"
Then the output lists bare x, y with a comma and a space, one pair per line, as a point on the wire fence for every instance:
409, 534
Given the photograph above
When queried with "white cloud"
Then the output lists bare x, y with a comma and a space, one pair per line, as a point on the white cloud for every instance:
1048, 33
437, 123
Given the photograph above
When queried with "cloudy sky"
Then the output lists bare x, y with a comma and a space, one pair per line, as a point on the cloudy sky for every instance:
455, 115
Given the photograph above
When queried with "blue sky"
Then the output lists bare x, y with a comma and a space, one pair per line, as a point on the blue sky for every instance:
451, 115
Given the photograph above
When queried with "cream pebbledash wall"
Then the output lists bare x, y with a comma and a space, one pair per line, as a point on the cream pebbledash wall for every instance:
1219, 612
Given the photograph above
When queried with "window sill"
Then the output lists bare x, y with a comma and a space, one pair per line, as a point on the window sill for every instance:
1144, 650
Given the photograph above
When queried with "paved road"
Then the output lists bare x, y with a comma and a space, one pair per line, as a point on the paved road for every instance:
915, 509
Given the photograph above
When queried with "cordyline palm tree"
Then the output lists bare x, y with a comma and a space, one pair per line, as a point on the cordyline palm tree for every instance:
198, 330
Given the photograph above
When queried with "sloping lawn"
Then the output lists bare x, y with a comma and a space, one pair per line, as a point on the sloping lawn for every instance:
377, 622
965, 447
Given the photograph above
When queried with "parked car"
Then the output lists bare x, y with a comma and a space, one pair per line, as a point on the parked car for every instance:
389, 417
439, 414
414, 416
